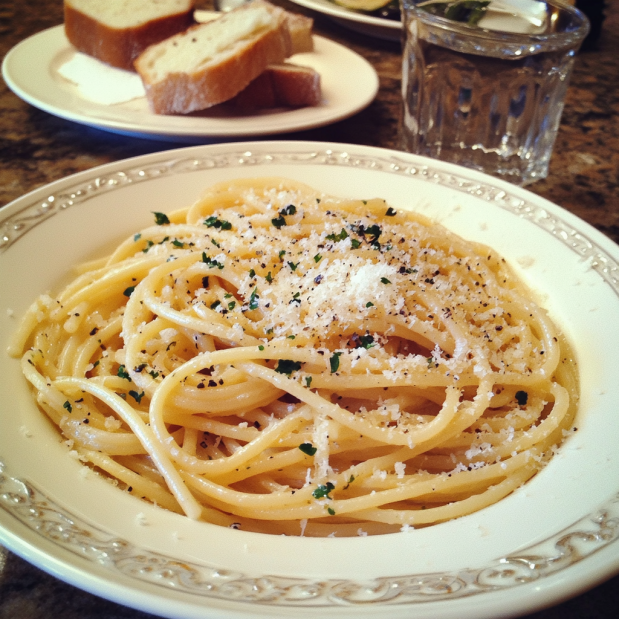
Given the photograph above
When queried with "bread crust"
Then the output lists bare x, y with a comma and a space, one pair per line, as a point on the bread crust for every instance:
181, 93
300, 27
119, 47
296, 86
285, 85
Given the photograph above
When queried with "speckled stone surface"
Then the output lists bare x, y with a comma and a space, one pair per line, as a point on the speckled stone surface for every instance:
37, 148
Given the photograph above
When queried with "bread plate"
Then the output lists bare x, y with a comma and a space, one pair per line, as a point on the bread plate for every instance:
32, 71
551, 539
364, 23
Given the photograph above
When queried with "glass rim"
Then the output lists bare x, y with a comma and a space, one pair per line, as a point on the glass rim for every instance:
562, 39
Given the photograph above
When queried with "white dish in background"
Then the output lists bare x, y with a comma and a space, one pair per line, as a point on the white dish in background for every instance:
551, 539
30, 69
379, 27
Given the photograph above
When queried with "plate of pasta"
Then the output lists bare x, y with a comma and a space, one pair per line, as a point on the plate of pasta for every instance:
294, 378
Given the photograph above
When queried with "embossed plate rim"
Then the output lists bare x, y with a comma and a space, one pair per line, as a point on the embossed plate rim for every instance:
123, 564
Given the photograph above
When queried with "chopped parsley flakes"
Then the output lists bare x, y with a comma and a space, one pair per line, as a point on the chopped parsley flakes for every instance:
161, 219
308, 448
137, 396
214, 222
287, 366
323, 491
211, 263
253, 299
335, 362
338, 237
122, 372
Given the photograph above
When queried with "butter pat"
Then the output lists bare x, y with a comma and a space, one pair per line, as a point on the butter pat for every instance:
101, 83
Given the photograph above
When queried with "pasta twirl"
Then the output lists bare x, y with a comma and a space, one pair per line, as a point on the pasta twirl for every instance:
283, 361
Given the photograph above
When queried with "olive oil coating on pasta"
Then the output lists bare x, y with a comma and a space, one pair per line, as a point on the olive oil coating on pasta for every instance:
278, 360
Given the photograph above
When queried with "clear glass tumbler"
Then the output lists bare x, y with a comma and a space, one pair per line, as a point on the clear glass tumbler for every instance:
487, 99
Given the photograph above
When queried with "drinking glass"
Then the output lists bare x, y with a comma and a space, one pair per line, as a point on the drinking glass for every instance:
487, 99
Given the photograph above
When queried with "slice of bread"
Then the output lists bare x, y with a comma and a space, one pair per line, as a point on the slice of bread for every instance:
282, 85
212, 62
300, 28
118, 31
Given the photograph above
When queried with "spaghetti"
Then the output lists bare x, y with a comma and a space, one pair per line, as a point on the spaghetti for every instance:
283, 361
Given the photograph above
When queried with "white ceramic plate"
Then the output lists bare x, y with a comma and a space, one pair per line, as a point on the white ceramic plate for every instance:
349, 84
551, 539
360, 22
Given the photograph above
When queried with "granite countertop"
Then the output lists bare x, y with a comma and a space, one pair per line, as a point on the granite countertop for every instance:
37, 148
